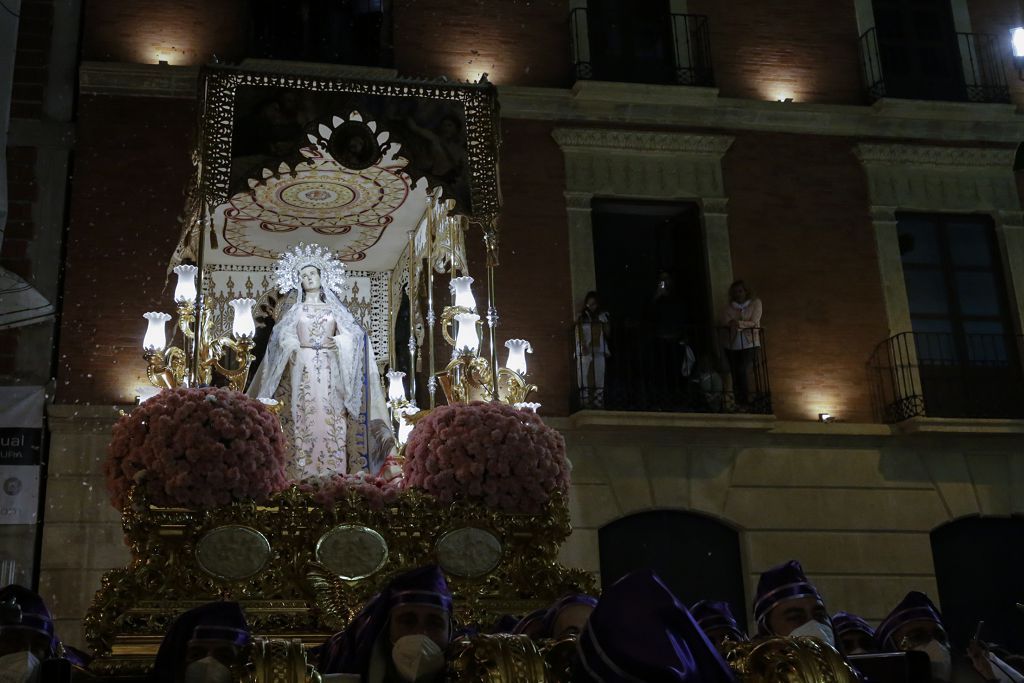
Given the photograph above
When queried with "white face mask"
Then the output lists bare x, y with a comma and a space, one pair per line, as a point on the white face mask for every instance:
942, 662
816, 629
19, 667
416, 657
207, 670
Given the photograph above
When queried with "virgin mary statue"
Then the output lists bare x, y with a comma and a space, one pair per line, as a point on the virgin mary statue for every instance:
319, 363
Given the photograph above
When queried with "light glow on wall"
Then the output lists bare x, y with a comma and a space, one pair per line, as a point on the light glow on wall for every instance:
785, 86
818, 403
474, 74
172, 55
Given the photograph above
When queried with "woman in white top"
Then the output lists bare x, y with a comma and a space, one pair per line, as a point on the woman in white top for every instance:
742, 337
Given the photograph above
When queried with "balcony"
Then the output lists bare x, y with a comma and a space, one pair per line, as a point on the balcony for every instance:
674, 50
356, 33
686, 371
915, 374
970, 71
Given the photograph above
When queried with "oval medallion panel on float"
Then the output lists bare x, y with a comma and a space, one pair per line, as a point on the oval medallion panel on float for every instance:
469, 551
352, 551
232, 552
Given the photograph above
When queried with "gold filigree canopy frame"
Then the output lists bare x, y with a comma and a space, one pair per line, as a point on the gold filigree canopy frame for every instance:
476, 196
218, 95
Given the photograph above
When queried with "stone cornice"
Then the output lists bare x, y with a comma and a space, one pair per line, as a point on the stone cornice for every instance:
611, 419
919, 155
589, 421
636, 104
641, 141
137, 80
681, 106
948, 426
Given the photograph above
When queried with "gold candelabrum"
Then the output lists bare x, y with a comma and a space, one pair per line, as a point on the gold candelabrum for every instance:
201, 355
468, 376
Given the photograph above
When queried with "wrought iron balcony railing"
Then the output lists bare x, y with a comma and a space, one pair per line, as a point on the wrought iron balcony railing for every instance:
685, 59
946, 375
681, 369
354, 33
973, 73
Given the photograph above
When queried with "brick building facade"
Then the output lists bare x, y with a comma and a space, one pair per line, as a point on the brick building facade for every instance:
802, 198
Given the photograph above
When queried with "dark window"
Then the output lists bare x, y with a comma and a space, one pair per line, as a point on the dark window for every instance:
331, 31
917, 45
697, 556
635, 241
966, 353
977, 568
631, 41
652, 279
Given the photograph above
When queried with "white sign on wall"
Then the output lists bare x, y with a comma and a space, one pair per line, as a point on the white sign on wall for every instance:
21, 438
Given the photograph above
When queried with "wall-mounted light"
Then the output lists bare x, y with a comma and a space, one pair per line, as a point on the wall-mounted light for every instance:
826, 417
1017, 47
780, 92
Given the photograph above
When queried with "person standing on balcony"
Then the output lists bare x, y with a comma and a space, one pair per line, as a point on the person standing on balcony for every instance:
592, 328
741, 321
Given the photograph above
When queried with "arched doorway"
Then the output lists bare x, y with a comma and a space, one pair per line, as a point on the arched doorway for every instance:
697, 556
978, 564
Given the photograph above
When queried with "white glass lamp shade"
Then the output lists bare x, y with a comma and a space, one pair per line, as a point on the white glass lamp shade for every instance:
463, 288
242, 325
396, 389
517, 350
466, 340
156, 337
527, 405
185, 290
1017, 41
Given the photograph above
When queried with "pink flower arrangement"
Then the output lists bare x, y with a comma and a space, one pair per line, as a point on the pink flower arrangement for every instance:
378, 490
197, 448
489, 452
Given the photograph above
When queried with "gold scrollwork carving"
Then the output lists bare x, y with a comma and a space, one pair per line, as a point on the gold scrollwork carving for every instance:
789, 660
280, 661
499, 658
293, 595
